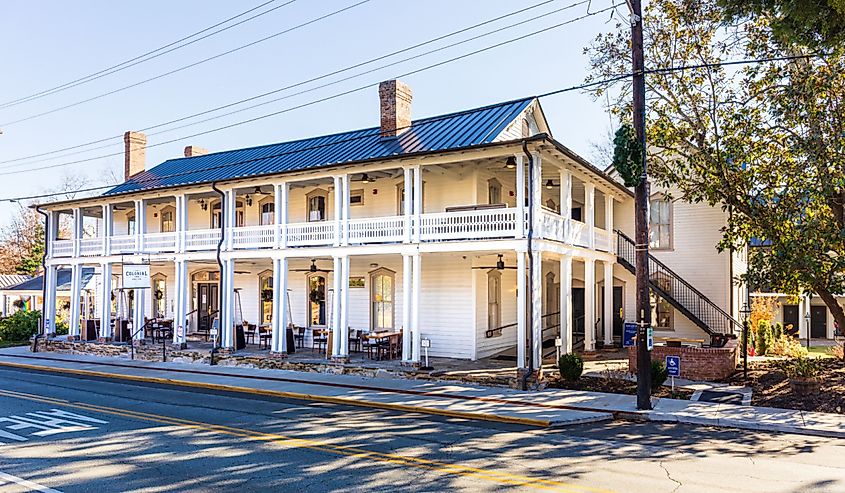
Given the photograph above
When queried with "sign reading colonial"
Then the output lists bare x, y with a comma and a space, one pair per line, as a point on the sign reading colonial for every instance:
136, 276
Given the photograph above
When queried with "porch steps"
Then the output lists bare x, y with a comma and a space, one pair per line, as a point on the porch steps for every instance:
694, 305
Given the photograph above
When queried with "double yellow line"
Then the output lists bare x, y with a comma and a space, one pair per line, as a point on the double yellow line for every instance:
292, 442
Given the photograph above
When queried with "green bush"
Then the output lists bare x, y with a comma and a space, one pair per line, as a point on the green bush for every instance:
659, 374
802, 367
20, 326
764, 338
777, 331
61, 328
571, 366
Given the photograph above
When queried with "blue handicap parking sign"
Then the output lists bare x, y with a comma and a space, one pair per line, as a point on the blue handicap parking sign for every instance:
673, 366
628, 333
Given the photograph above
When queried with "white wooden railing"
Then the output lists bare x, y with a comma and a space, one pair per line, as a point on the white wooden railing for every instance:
254, 236
122, 244
62, 248
312, 233
159, 242
439, 226
376, 230
468, 225
202, 239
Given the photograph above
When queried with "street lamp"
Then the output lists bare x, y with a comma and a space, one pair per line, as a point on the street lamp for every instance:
745, 311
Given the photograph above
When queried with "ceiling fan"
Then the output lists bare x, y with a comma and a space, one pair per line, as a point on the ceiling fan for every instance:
500, 264
312, 268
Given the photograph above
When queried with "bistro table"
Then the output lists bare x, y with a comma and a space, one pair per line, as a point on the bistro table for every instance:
392, 341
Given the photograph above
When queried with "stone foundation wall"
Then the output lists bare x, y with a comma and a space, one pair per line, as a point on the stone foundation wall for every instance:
703, 364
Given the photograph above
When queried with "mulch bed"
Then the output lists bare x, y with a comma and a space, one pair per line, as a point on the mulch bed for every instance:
771, 388
614, 386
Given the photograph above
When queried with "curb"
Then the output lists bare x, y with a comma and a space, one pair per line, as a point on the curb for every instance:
301, 396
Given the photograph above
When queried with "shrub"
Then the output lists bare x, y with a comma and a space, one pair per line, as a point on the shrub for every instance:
571, 366
763, 341
837, 351
20, 326
777, 331
803, 367
61, 328
659, 374
787, 346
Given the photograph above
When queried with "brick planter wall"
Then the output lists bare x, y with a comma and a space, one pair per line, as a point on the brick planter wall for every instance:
705, 364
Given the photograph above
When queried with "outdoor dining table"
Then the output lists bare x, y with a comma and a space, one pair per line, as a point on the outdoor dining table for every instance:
393, 342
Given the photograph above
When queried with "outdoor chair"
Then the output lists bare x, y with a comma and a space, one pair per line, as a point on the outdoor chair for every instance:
319, 339
299, 336
355, 340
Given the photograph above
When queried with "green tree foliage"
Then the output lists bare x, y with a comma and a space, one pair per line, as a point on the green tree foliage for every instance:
813, 23
764, 141
628, 155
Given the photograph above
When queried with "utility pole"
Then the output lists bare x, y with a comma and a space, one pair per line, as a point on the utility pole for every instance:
641, 195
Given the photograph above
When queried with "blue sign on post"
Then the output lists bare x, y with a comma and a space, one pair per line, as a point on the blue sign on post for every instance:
673, 366
629, 332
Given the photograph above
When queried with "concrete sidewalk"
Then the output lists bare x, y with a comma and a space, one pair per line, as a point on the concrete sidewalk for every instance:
551, 407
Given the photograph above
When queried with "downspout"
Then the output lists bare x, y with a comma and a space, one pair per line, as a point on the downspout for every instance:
220, 266
530, 292
47, 227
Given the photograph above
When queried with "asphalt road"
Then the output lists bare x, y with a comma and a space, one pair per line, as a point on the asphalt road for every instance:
71, 434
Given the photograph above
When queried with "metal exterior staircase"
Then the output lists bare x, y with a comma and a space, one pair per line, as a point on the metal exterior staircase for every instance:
681, 294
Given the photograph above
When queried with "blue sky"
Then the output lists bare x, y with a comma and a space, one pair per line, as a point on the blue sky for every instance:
51, 42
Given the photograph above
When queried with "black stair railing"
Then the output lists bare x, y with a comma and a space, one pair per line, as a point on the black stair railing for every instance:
678, 292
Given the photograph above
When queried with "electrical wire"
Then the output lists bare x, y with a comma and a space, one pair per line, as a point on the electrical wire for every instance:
284, 88
184, 67
146, 56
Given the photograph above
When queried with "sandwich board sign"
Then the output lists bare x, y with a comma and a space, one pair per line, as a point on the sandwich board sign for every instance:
136, 276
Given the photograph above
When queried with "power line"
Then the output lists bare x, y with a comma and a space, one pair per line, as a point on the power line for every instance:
297, 84
185, 67
146, 56
357, 89
427, 121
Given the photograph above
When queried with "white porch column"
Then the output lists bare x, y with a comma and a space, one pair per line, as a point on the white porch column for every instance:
278, 341
589, 304
417, 208
537, 309
521, 319
229, 221
346, 212
75, 288
77, 231
139, 313
183, 290
416, 290
335, 321
608, 303
590, 213
344, 307
338, 208
227, 309
406, 305
566, 194
520, 196
608, 218
108, 225
105, 300
408, 201
281, 213
50, 300
181, 223
566, 304
52, 228
140, 224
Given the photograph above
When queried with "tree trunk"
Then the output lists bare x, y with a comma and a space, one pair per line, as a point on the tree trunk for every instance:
832, 305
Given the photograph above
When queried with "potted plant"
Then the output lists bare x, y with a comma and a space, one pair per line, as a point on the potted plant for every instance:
803, 375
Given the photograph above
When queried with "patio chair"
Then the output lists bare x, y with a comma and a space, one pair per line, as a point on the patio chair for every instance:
355, 340
319, 339
371, 345
250, 332
299, 336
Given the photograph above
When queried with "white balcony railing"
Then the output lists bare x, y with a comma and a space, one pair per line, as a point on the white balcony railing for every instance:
468, 225
604, 240
376, 230
159, 242
89, 247
122, 244
313, 233
62, 248
202, 239
254, 236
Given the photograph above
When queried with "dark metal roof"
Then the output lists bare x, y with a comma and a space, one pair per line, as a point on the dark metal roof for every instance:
63, 279
440, 133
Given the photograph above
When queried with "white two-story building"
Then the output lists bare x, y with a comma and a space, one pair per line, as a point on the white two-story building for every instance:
475, 231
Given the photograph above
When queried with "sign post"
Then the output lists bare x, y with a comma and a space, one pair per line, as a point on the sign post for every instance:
425, 344
673, 368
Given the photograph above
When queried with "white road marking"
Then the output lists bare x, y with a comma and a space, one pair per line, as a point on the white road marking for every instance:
8, 478
47, 423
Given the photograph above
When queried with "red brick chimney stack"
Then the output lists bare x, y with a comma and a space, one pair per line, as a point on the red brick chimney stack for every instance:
191, 151
395, 97
135, 153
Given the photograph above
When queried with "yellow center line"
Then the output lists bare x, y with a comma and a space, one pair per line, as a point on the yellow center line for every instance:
293, 442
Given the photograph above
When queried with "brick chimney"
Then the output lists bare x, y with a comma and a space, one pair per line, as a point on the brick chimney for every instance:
135, 153
395, 101
191, 151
